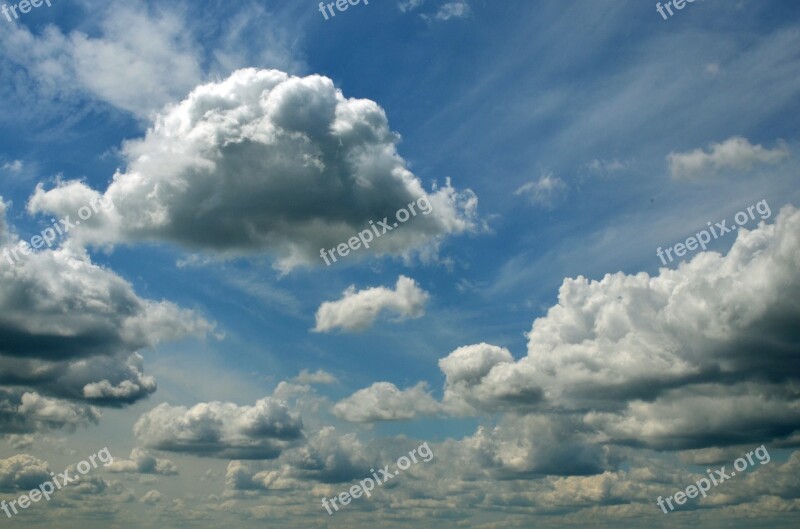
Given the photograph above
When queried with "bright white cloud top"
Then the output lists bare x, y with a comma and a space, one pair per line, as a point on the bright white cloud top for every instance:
264, 161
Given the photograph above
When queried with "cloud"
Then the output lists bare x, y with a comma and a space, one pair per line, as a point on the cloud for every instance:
485, 377
70, 335
151, 497
409, 5
142, 462
264, 161
629, 337
384, 401
608, 167
27, 412
137, 61
457, 9
735, 153
318, 377
221, 429
666, 361
14, 167
536, 445
22, 472
545, 192
357, 310
328, 456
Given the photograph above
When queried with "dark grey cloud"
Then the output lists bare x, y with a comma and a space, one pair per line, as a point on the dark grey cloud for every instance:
70, 332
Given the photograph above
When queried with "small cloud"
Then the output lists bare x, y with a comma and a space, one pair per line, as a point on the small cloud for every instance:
410, 5
544, 192
357, 310
151, 497
712, 68
607, 167
458, 9
319, 377
735, 153
14, 167
142, 462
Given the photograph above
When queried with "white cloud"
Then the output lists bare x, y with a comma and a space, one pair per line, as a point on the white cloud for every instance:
384, 401
545, 192
735, 153
221, 429
358, 310
607, 167
446, 11
142, 462
665, 361
410, 5
484, 376
263, 161
137, 62
318, 377
14, 167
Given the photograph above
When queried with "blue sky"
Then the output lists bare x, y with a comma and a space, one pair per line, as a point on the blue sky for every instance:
526, 328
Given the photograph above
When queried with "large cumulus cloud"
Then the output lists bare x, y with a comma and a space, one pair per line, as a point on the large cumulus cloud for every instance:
266, 161
692, 357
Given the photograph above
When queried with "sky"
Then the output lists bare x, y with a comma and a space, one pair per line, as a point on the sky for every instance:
514, 264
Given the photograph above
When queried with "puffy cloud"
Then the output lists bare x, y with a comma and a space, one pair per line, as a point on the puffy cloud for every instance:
151, 497
485, 377
629, 337
384, 401
735, 153
26, 412
264, 161
143, 462
537, 445
665, 361
70, 332
357, 310
58, 305
22, 472
545, 191
221, 429
328, 456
